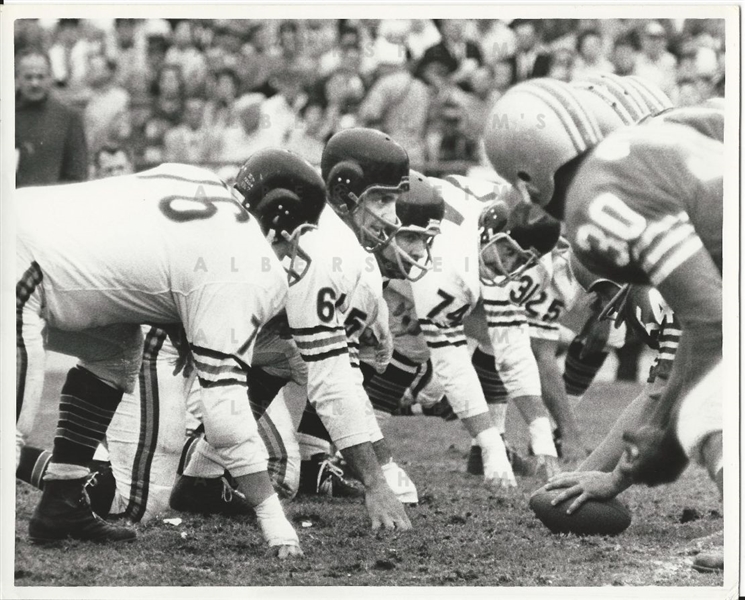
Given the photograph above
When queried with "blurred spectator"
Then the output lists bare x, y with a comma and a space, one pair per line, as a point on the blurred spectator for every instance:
50, 138
245, 134
461, 57
449, 140
531, 58
281, 112
184, 53
497, 40
167, 106
108, 104
218, 112
624, 55
344, 89
561, 65
422, 34
654, 62
130, 51
308, 138
111, 161
590, 59
292, 47
188, 142
397, 103
68, 54
29, 33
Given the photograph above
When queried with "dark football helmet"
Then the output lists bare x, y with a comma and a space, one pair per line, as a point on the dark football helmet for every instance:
420, 212
286, 196
356, 163
513, 241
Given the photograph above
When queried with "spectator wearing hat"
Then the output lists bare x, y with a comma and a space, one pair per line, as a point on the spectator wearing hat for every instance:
50, 137
460, 56
531, 58
397, 102
590, 59
654, 62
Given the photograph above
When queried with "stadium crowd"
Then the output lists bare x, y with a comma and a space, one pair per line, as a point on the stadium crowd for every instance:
212, 91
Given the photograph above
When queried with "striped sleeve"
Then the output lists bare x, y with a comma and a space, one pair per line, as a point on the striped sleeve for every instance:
503, 313
320, 342
668, 340
217, 369
665, 245
438, 335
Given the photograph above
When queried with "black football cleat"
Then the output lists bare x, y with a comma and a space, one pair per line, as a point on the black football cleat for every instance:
65, 512
101, 487
324, 475
208, 496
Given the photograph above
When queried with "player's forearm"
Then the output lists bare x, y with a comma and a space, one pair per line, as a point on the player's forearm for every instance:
363, 461
553, 392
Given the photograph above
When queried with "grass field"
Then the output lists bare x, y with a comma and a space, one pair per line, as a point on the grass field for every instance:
463, 535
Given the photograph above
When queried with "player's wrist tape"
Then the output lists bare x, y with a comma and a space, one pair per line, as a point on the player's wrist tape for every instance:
274, 525
493, 453
541, 440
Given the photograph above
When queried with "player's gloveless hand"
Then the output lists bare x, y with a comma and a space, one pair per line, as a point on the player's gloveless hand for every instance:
385, 510
585, 485
286, 551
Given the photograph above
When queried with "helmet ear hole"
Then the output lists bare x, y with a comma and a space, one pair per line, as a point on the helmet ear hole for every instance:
523, 176
344, 178
281, 210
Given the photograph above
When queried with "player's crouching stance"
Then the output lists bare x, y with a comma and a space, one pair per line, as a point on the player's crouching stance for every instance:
200, 262
326, 266
643, 205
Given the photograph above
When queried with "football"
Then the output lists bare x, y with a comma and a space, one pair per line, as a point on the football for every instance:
594, 517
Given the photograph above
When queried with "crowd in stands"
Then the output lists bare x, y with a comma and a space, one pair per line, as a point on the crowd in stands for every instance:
212, 91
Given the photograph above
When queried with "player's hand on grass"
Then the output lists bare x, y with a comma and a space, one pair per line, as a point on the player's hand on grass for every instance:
286, 551
385, 509
585, 485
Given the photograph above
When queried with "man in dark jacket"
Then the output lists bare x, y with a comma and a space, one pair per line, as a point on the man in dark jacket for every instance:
50, 140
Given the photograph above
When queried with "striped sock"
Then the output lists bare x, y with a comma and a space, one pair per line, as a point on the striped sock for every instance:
87, 406
33, 465
386, 390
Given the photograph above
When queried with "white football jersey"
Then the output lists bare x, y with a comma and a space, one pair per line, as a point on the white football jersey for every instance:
166, 246
545, 295
317, 308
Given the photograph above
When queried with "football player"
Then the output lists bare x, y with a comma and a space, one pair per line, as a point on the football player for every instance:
184, 254
427, 319
337, 298
643, 205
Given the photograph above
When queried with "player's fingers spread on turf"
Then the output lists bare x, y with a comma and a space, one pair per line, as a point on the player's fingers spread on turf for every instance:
289, 551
